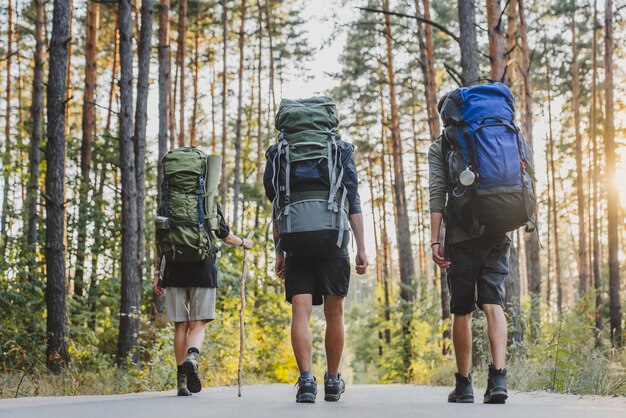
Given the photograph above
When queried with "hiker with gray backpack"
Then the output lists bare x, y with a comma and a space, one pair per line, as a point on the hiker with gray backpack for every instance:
310, 178
481, 183
188, 224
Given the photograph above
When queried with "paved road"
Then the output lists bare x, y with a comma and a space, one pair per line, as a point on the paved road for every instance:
363, 401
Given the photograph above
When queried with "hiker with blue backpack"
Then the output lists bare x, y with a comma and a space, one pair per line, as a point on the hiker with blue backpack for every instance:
481, 184
310, 178
188, 224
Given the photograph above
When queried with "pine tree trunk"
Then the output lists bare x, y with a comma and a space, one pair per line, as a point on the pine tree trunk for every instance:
182, 35
57, 354
405, 249
224, 103
612, 194
144, 50
467, 41
270, 38
531, 240
237, 170
597, 279
259, 133
496, 41
130, 300
580, 193
34, 155
86, 151
6, 158
429, 76
213, 112
158, 302
196, 74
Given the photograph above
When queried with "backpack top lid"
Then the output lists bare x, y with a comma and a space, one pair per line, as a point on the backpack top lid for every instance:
470, 105
312, 114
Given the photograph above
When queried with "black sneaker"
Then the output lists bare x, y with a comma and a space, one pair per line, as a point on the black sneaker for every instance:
181, 385
190, 367
463, 391
307, 389
333, 388
496, 386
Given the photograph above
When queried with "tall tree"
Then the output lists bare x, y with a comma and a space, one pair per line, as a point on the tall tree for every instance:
86, 149
224, 96
405, 249
531, 239
469, 45
6, 158
580, 192
36, 111
141, 119
496, 40
237, 170
595, 178
130, 289
56, 299
180, 50
612, 194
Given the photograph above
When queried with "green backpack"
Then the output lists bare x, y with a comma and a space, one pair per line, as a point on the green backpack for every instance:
308, 153
188, 211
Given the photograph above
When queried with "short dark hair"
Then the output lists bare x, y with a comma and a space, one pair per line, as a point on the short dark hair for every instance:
441, 101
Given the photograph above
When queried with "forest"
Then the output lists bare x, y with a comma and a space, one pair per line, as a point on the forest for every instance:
95, 92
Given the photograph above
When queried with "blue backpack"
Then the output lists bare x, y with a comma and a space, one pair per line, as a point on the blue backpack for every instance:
490, 171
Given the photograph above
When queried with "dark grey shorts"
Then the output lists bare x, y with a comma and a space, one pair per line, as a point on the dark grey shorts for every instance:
477, 273
318, 276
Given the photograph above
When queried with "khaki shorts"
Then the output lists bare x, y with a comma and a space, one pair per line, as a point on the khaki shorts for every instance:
183, 304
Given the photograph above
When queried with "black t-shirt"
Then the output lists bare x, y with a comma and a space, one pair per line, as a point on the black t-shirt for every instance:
198, 273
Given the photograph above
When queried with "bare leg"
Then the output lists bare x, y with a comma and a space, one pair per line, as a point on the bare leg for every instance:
497, 332
301, 306
333, 312
462, 340
195, 338
180, 341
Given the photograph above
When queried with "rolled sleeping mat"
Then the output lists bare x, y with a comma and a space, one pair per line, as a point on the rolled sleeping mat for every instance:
213, 167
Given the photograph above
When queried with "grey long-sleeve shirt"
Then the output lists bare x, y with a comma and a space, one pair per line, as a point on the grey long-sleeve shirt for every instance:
438, 191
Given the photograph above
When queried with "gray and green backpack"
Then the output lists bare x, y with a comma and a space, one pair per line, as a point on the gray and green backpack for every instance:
187, 215
307, 181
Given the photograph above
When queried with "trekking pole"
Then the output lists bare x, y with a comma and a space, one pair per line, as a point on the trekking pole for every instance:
242, 293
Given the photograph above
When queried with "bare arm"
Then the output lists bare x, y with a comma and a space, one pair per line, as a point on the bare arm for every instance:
356, 222
234, 240
436, 219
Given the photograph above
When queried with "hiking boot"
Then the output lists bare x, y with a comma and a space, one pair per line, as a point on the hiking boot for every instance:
190, 367
496, 386
463, 391
307, 389
333, 388
181, 384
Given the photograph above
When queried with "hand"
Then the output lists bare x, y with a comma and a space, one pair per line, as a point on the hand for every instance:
438, 257
279, 267
247, 243
158, 290
361, 262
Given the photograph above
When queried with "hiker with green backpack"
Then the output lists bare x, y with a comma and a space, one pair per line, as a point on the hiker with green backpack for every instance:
188, 225
481, 183
310, 178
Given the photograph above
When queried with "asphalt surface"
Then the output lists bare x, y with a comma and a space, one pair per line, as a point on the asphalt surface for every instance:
363, 401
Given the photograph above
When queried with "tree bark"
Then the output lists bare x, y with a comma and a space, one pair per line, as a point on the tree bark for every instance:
57, 354
237, 170
597, 279
180, 49
36, 111
259, 133
467, 41
158, 302
144, 50
580, 192
130, 289
6, 158
612, 194
270, 38
531, 240
496, 41
224, 103
88, 127
405, 249
196, 76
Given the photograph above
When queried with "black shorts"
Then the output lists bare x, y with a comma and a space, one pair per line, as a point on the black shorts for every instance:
317, 276
477, 274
